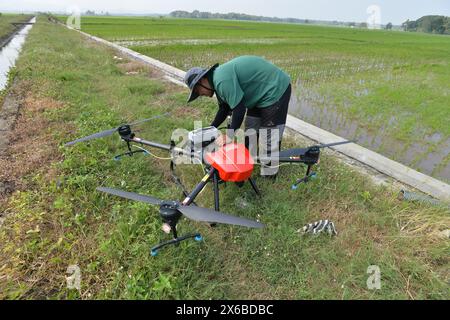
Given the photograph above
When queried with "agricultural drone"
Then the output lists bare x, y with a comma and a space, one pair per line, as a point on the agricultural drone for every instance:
217, 166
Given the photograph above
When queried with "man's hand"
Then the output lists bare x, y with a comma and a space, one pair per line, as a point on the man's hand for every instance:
222, 139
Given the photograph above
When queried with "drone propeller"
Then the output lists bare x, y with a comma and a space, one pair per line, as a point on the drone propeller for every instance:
131, 195
192, 212
93, 136
208, 215
110, 131
335, 143
302, 151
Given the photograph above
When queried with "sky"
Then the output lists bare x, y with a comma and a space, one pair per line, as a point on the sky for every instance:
395, 11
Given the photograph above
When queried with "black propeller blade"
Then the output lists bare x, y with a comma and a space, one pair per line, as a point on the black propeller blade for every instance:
192, 212
131, 195
92, 136
148, 119
111, 131
335, 144
208, 215
293, 152
302, 151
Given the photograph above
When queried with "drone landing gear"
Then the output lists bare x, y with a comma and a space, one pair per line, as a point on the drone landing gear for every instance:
170, 215
176, 240
215, 177
130, 152
308, 176
254, 186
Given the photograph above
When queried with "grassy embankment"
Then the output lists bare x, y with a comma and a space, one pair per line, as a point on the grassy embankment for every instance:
394, 85
73, 87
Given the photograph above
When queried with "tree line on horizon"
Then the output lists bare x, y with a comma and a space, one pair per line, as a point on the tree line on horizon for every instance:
428, 24
242, 16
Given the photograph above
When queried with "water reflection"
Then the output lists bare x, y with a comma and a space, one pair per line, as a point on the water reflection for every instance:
10, 52
427, 156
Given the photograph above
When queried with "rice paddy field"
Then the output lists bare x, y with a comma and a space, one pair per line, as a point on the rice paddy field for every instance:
390, 90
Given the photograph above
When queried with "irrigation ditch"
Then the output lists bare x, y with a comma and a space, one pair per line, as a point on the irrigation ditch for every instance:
9, 51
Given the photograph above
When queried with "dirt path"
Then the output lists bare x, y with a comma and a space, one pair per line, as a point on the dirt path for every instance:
8, 115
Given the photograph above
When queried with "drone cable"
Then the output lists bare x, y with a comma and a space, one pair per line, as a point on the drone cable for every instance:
200, 163
148, 152
161, 158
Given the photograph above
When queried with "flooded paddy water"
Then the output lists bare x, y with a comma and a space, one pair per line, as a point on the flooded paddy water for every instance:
162, 42
430, 154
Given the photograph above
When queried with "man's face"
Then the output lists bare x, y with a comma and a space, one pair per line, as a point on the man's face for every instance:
203, 88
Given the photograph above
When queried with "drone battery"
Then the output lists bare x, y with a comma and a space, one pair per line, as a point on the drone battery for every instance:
201, 138
233, 161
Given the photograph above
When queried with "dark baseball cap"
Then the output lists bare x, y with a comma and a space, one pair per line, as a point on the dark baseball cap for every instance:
193, 76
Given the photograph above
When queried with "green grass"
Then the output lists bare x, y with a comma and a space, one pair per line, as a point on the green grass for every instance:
60, 220
394, 85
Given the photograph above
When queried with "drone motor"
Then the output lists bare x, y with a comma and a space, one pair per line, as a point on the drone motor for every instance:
125, 132
168, 211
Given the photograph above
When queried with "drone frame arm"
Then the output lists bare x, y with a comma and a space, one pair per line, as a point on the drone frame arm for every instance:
199, 187
167, 147
150, 143
293, 159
